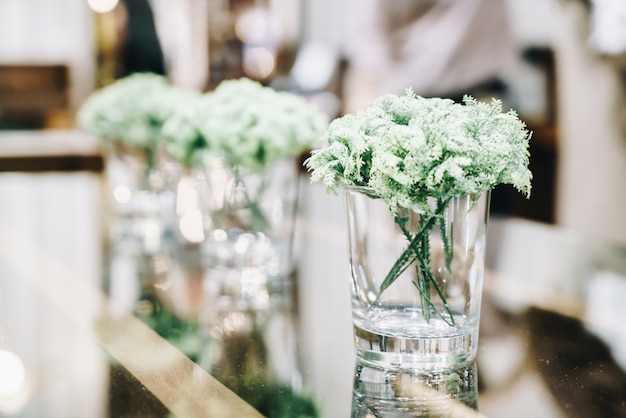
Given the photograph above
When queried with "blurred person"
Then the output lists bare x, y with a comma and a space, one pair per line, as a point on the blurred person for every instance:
157, 36
140, 47
443, 48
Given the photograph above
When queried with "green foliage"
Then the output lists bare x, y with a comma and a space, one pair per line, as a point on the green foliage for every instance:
181, 333
282, 402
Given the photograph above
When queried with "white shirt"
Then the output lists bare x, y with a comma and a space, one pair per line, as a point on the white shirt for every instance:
436, 47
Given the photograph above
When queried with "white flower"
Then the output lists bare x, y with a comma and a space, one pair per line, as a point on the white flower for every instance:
244, 123
133, 109
407, 149
251, 125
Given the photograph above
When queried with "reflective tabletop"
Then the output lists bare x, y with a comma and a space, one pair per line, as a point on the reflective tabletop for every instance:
72, 344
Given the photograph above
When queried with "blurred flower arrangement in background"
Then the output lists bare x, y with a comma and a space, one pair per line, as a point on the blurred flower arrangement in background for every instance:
235, 149
133, 110
246, 124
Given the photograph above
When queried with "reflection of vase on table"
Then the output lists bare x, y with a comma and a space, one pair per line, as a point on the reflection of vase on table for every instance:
151, 287
251, 346
416, 175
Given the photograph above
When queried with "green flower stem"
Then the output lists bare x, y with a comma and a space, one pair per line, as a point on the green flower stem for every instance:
423, 258
419, 250
447, 248
150, 163
405, 259
258, 223
427, 278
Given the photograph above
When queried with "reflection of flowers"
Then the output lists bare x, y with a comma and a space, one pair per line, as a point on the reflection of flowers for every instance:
418, 154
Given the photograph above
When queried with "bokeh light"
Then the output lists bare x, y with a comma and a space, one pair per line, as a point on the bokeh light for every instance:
12, 373
102, 6
258, 63
191, 227
122, 194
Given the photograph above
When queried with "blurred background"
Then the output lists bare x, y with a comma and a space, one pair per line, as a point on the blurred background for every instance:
559, 63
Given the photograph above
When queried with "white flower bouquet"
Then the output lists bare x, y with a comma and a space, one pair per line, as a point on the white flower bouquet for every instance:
246, 124
133, 110
418, 154
244, 128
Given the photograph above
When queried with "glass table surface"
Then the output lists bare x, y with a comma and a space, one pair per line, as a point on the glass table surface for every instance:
552, 343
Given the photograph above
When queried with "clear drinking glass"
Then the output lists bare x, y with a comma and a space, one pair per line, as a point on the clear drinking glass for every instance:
419, 322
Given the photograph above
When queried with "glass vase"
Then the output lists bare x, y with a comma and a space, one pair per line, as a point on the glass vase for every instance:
249, 222
141, 189
253, 350
416, 281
